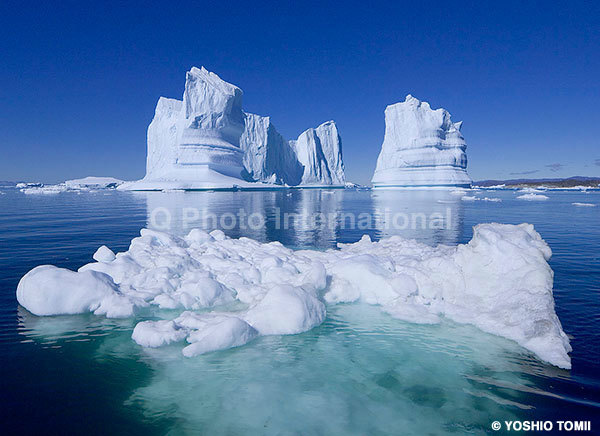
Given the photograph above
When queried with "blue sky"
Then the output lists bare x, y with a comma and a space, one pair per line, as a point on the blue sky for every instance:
79, 81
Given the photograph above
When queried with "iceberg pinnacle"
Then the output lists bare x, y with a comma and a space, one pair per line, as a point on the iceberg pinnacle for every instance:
320, 153
422, 147
194, 143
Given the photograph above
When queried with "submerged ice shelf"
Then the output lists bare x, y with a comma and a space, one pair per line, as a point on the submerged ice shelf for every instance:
215, 292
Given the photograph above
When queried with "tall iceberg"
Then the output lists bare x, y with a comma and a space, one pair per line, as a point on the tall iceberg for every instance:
314, 159
319, 151
268, 157
422, 147
206, 141
194, 143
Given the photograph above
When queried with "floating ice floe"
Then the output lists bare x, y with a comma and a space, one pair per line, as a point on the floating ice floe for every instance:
224, 292
473, 198
87, 184
532, 190
50, 189
533, 197
584, 204
93, 182
23, 185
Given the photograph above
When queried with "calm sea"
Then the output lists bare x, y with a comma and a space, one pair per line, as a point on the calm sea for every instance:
360, 372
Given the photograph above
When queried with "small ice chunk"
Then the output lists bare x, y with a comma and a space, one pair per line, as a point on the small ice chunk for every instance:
584, 204
286, 310
104, 254
205, 291
48, 290
155, 334
532, 197
197, 236
222, 333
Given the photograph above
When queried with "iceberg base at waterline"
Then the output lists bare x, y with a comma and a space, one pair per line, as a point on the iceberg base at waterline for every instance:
210, 292
199, 179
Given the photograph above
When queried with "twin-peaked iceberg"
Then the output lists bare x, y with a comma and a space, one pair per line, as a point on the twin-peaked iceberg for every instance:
206, 141
314, 159
422, 148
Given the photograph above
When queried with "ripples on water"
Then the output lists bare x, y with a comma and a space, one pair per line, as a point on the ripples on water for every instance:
361, 372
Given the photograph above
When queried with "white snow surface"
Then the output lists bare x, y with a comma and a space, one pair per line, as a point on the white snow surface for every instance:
224, 292
422, 147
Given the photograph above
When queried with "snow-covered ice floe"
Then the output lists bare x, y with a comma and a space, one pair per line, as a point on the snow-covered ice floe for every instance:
474, 198
224, 292
533, 197
584, 204
44, 189
93, 182
77, 185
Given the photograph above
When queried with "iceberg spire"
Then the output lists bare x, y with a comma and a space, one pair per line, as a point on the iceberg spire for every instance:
194, 143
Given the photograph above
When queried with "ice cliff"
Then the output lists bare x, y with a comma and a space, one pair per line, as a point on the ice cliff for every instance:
315, 158
206, 141
422, 147
194, 143
268, 157
319, 151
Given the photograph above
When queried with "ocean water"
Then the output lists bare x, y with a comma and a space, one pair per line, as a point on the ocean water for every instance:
360, 372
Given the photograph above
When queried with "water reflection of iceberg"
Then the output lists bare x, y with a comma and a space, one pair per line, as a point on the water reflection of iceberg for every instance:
430, 216
299, 218
310, 218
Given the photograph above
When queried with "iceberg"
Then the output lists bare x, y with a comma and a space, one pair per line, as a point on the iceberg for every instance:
314, 159
229, 291
319, 151
268, 157
194, 143
422, 148
206, 141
